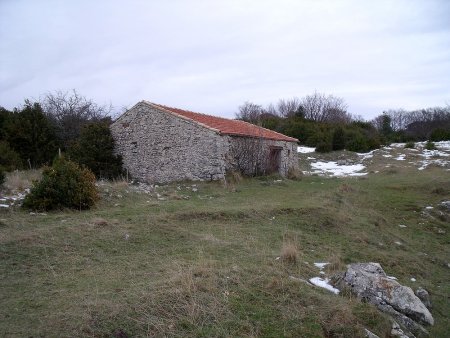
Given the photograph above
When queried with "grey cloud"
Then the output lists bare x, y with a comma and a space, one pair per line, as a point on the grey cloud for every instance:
211, 56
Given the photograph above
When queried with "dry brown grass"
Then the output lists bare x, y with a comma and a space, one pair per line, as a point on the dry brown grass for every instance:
294, 174
98, 221
289, 252
18, 181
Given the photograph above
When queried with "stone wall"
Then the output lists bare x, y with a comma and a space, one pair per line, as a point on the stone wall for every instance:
159, 147
251, 155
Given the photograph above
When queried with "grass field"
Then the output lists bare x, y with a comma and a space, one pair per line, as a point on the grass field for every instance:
215, 260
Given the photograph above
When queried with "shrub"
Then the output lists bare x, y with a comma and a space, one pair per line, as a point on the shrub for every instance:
294, 173
338, 139
430, 145
63, 185
410, 144
357, 142
9, 159
30, 133
2, 176
95, 149
324, 147
289, 252
440, 134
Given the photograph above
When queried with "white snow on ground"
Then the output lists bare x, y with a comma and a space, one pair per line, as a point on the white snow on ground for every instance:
421, 159
305, 150
334, 169
365, 156
321, 265
431, 156
8, 201
323, 283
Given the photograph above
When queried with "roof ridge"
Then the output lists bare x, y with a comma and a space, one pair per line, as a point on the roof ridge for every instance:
195, 112
219, 124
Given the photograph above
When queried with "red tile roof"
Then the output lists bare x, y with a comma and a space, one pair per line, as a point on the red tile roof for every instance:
227, 126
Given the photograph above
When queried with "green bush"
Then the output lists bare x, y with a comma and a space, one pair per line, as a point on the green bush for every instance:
63, 185
430, 146
357, 143
410, 144
2, 176
95, 149
9, 159
440, 134
338, 139
324, 147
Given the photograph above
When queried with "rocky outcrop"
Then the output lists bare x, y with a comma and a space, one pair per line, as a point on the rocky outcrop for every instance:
370, 283
424, 296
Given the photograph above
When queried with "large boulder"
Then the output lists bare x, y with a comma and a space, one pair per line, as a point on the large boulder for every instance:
369, 282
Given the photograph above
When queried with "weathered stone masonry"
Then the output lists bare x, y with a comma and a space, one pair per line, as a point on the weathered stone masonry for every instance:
159, 146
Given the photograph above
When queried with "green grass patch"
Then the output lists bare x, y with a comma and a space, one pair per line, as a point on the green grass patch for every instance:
204, 263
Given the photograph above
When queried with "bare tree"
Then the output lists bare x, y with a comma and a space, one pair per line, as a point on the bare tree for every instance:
325, 108
70, 111
289, 107
250, 112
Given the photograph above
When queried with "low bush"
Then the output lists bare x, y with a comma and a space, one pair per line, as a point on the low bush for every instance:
324, 147
95, 150
440, 134
9, 159
338, 139
2, 176
294, 174
356, 142
430, 146
63, 185
410, 144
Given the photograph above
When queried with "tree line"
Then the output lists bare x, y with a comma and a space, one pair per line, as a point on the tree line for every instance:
62, 122
322, 121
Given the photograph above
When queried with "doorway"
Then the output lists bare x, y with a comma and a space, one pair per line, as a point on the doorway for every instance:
274, 160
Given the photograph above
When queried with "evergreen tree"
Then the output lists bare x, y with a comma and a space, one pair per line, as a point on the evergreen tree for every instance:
31, 135
338, 139
95, 149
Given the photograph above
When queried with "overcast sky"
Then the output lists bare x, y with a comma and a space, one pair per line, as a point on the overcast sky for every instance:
212, 56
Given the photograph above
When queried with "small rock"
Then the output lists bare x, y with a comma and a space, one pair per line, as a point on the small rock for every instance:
424, 296
413, 279
397, 331
370, 334
402, 226
398, 243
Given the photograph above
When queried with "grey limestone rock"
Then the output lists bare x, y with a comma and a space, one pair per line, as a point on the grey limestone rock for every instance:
424, 296
369, 282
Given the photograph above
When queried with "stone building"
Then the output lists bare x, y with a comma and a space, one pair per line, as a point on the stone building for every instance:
161, 144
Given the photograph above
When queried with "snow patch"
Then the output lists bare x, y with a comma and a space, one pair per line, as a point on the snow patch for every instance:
323, 283
305, 150
334, 169
321, 265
